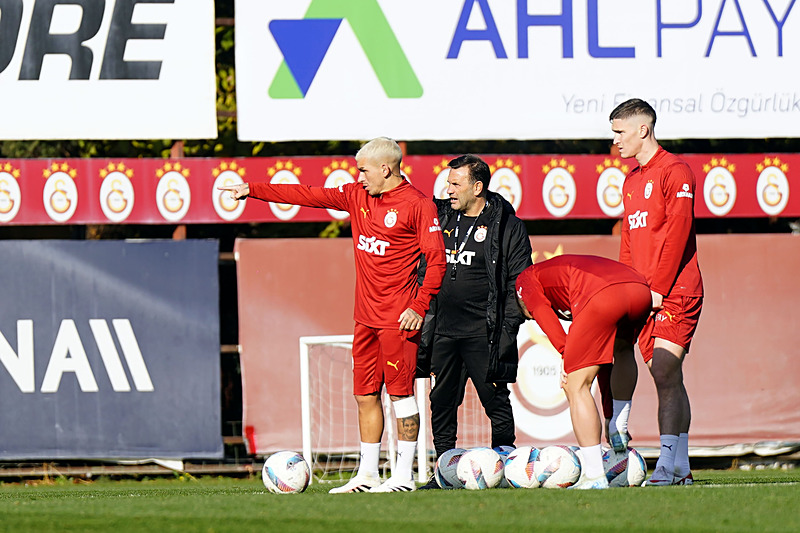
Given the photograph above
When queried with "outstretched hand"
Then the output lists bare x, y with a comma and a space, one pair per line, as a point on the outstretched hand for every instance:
238, 192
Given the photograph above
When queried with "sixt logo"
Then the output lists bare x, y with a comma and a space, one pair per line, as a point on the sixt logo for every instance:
372, 245
638, 219
464, 258
305, 42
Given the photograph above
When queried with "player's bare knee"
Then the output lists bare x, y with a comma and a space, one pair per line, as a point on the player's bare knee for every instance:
574, 387
665, 363
666, 377
367, 400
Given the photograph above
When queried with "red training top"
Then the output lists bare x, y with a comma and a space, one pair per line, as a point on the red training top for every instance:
561, 287
390, 232
658, 232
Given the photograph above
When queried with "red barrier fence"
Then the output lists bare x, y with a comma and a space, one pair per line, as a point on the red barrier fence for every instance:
157, 191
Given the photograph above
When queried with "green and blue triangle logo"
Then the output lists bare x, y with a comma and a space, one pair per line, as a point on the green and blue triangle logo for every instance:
305, 42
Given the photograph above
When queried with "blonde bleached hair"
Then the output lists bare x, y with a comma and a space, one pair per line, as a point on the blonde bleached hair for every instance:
381, 150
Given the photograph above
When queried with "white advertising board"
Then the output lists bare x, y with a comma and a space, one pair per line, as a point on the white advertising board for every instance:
524, 69
107, 69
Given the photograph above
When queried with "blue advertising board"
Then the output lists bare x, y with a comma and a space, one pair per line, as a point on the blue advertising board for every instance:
109, 350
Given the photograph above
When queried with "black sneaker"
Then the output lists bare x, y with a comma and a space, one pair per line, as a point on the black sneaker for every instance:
430, 485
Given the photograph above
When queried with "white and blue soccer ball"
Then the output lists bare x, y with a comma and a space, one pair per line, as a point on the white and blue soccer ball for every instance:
285, 472
503, 451
579, 454
518, 471
480, 468
624, 469
445, 472
557, 467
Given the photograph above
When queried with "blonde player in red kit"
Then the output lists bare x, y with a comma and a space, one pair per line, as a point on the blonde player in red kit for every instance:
608, 303
658, 240
393, 225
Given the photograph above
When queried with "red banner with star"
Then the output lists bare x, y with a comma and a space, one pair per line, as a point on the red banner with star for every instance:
185, 191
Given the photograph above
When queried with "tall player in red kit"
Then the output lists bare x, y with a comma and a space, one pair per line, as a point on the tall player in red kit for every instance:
608, 303
658, 240
393, 224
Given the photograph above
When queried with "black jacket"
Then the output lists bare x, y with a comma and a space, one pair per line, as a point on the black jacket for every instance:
508, 253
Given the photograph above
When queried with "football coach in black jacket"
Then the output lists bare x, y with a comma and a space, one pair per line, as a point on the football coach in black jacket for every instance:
471, 328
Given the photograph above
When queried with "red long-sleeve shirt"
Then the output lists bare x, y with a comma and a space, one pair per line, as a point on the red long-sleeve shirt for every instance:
390, 232
560, 288
658, 231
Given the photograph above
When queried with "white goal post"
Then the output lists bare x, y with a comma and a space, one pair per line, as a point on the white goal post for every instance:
329, 414
325, 387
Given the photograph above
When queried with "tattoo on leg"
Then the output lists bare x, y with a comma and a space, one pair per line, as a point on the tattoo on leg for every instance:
409, 427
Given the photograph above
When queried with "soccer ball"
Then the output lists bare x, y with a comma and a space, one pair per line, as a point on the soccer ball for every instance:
445, 472
480, 468
624, 469
518, 470
285, 472
503, 451
579, 454
557, 467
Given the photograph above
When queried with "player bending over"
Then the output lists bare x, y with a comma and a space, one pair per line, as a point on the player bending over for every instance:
393, 225
606, 302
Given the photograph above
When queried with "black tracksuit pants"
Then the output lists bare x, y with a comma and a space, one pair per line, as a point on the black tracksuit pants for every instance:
453, 360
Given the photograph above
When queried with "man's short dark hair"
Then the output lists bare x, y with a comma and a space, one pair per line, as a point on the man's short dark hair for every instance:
478, 169
631, 108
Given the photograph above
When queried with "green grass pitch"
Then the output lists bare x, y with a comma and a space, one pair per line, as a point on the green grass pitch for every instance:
730, 500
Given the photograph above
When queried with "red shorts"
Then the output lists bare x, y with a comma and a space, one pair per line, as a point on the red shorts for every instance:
617, 311
676, 322
384, 356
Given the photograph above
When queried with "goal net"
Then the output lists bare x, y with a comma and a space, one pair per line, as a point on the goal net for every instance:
330, 416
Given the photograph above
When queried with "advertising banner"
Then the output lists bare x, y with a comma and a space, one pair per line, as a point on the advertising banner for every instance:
158, 191
527, 69
740, 373
109, 350
107, 69
288, 288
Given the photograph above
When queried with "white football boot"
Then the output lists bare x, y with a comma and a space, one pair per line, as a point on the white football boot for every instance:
395, 485
359, 483
599, 482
